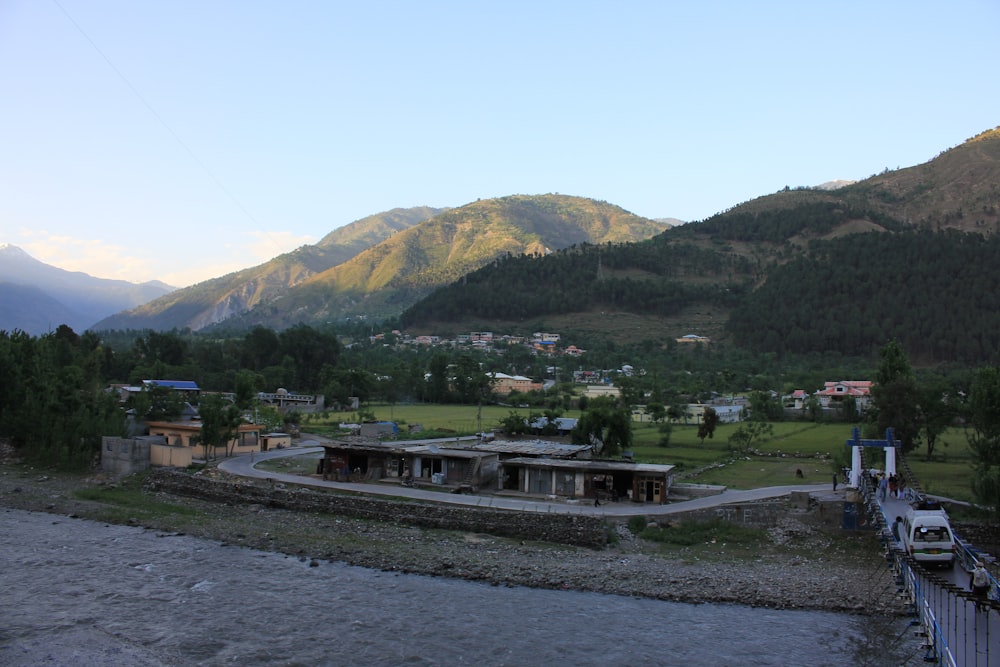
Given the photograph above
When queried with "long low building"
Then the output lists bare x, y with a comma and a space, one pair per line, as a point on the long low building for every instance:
534, 467
578, 478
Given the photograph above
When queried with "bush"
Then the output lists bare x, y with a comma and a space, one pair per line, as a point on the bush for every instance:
689, 533
637, 524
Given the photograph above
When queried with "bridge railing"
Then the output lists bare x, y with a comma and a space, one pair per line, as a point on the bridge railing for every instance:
909, 580
953, 624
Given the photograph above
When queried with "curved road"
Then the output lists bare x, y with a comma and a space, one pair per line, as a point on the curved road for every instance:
245, 467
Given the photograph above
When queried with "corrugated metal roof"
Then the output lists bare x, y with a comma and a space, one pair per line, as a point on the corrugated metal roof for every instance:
187, 385
529, 447
586, 464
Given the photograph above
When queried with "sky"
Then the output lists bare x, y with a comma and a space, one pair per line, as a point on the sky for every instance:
183, 140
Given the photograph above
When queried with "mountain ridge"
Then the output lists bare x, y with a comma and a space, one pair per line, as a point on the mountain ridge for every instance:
692, 278
58, 296
217, 299
418, 250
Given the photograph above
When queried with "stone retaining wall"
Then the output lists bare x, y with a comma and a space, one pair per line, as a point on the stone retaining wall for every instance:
757, 514
589, 531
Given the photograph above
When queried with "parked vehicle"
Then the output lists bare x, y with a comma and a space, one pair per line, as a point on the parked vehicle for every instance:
926, 535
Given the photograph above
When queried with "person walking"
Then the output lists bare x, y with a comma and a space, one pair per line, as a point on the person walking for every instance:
979, 580
895, 527
834, 481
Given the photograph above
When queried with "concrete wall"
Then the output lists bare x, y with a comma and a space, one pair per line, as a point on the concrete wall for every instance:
175, 456
684, 490
126, 456
567, 529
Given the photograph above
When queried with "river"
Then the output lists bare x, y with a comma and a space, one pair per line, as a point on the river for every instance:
84, 594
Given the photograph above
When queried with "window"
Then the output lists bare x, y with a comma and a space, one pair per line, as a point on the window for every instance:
931, 534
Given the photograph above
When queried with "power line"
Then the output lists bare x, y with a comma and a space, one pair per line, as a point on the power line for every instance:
162, 122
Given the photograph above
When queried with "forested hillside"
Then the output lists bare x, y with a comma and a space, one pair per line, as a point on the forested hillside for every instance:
653, 277
909, 255
937, 293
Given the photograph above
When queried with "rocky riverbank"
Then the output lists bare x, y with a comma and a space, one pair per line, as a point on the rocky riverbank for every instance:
795, 566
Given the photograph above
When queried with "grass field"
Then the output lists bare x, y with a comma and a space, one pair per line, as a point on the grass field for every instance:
818, 450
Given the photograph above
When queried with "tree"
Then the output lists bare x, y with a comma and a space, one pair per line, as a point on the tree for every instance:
984, 438
657, 412
157, 403
677, 411
666, 430
765, 407
935, 414
747, 434
709, 420
247, 387
814, 408
437, 384
514, 423
220, 421
605, 426
895, 397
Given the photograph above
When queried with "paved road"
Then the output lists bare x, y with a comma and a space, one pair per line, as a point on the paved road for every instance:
243, 466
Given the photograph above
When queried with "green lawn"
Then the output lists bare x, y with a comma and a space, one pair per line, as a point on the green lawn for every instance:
460, 419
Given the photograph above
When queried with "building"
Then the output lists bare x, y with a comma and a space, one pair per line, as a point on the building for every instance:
579, 479
186, 434
379, 430
189, 388
562, 426
693, 338
126, 456
286, 401
833, 394
727, 414
364, 459
598, 390
501, 383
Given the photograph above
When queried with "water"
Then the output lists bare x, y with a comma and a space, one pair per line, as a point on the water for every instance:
81, 593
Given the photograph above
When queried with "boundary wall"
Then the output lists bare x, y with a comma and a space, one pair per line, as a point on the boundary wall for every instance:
579, 530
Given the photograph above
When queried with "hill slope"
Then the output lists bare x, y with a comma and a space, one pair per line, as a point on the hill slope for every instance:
801, 271
385, 279
215, 300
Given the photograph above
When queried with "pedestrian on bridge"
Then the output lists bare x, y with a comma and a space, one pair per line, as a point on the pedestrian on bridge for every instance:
883, 487
979, 580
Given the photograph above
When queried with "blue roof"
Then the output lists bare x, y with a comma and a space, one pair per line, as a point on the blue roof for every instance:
186, 385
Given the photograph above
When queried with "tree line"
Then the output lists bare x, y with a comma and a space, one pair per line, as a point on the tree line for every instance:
937, 293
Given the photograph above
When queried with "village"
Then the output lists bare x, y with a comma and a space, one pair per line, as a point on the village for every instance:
541, 462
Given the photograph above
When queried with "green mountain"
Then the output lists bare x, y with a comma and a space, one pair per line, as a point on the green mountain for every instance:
218, 299
910, 254
387, 278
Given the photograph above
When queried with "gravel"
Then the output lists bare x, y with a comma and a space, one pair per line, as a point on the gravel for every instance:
801, 567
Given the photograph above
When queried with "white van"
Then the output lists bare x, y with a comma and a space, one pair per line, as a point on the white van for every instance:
926, 535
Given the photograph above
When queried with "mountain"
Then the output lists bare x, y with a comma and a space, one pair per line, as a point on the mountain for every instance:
36, 297
385, 279
382, 264
911, 254
218, 299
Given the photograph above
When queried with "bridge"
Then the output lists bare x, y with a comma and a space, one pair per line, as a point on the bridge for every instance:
955, 627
